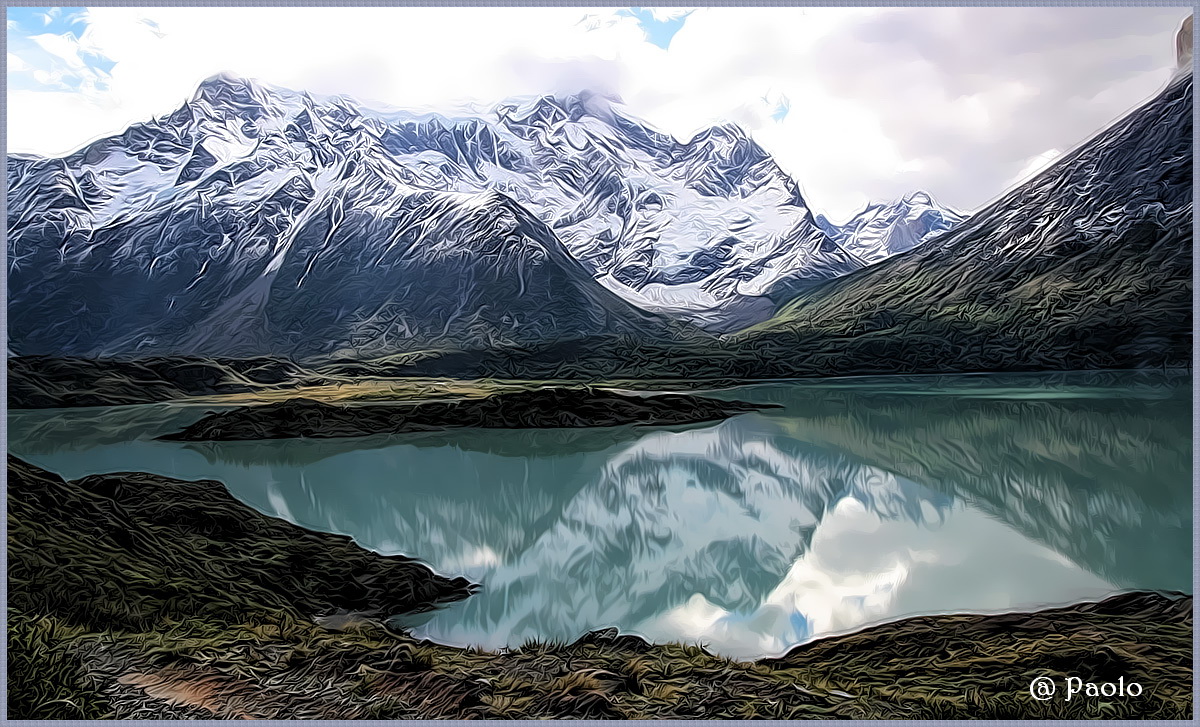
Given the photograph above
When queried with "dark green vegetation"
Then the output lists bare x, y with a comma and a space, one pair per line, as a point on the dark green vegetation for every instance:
38, 382
981, 666
136, 551
538, 408
171, 550
135, 596
133, 553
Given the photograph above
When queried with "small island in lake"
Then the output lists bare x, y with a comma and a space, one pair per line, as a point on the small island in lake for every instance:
546, 408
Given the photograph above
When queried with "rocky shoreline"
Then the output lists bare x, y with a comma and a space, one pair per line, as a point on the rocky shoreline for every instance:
540, 408
143, 597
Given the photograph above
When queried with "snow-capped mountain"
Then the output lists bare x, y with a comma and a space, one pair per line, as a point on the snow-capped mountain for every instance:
255, 220
883, 230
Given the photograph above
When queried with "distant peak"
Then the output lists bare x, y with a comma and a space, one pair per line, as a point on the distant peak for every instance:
588, 96
539, 110
591, 103
225, 78
728, 129
724, 131
226, 86
920, 196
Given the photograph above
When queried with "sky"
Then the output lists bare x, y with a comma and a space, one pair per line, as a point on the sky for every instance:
857, 104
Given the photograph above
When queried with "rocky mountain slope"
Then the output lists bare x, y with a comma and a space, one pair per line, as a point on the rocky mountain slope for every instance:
250, 223
1087, 265
258, 221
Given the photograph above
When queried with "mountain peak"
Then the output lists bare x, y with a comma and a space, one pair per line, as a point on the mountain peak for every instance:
226, 87
225, 79
543, 109
724, 130
884, 229
919, 196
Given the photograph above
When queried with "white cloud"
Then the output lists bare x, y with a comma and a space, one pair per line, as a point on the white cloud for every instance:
66, 53
870, 117
861, 568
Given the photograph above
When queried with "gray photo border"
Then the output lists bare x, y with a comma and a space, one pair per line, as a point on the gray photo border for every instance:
581, 4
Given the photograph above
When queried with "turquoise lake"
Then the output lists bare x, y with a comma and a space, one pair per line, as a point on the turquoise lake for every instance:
859, 501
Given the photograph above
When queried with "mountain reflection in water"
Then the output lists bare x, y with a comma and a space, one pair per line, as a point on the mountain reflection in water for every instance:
860, 501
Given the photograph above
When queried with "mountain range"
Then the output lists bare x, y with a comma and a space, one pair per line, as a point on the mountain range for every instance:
1088, 265
258, 221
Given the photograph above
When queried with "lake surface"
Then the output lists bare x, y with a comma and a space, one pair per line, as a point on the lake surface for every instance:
860, 501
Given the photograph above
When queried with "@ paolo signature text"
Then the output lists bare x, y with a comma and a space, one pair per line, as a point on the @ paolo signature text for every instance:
1045, 688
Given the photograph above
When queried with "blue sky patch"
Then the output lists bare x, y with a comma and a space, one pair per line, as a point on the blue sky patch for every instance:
801, 630
782, 107
658, 32
39, 66
57, 21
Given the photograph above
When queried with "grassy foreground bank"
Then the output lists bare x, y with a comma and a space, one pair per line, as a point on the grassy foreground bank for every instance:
137, 596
